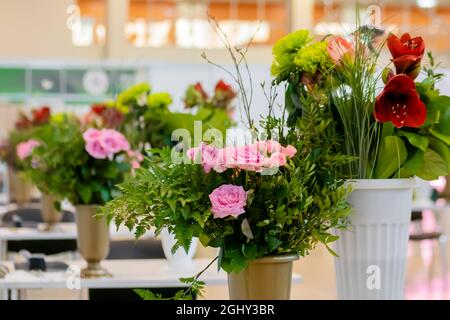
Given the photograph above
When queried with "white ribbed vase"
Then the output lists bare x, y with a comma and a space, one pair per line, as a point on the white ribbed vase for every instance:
372, 252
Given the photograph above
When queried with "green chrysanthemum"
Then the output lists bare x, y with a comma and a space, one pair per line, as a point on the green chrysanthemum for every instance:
285, 50
313, 58
132, 95
162, 99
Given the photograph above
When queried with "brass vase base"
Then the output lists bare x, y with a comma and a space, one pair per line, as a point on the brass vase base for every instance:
267, 278
95, 271
47, 227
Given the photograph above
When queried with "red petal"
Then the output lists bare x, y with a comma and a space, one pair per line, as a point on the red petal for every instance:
405, 37
417, 114
400, 81
395, 46
381, 111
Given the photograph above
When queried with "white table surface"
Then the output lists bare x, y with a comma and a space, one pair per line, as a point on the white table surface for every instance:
66, 230
145, 273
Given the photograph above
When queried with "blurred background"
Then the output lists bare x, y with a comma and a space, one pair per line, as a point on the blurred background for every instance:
69, 54
72, 53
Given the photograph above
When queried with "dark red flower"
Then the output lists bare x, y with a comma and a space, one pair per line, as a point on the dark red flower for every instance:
98, 108
400, 103
198, 87
407, 53
112, 118
405, 45
223, 95
40, 116
23, 122
223, 86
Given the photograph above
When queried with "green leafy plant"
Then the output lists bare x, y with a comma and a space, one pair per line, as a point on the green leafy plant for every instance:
397, 133
287, 193
62, 166
24, 130
148, 122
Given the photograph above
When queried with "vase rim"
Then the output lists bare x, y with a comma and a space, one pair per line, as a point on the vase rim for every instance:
358, 184
287, 257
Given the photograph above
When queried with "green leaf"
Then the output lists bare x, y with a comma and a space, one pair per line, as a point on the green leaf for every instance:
250, 250
104, 194
414, 163
85, 193
273, 243
416, 140
57, 205
442, 149
442, 128
433, 166
391, 155
441, 136
145, 294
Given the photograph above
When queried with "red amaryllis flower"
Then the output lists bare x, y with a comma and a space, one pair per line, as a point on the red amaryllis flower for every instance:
41, 116
400, 103
407, 53
198, 87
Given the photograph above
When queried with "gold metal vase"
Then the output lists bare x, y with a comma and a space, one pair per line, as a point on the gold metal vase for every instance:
50, 215
92, 240
21, 190
267, 278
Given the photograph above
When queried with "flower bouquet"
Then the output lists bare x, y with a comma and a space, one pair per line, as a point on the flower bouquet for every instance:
262, 202
391, 134
16, 148
82, 165
148, 122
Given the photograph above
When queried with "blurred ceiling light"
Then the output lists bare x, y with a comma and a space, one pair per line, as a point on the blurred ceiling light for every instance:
100, 32
426, 4
158, 33
83, 32
342, 28
192, 33
140, 32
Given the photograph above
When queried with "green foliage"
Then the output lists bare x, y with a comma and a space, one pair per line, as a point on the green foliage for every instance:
148, 120
348, 91
284, 52
313, 58
159, 99
288, 212
392, 154
61, 166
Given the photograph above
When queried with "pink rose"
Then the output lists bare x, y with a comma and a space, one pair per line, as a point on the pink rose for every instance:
289, 151
136, 155
277, 159
135, 164
96, 149
102, 144
273, 146
247, 158
113, 141
24, 149
207, 154
192, 153
91, 134
228, 200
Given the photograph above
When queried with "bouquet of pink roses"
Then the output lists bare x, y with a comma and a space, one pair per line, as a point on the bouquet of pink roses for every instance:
80, 164
260, 199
